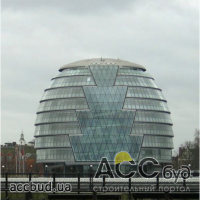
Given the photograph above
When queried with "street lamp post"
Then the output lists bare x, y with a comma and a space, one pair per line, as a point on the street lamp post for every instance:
91, 176
46, 166
91, 169
31, 168
3, 169
191, 174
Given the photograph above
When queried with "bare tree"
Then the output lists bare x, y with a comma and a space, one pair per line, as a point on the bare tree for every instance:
188, 153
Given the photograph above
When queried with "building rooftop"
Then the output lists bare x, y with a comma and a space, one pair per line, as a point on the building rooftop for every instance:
102, 61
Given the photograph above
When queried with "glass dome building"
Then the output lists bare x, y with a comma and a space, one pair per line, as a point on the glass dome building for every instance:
96, 108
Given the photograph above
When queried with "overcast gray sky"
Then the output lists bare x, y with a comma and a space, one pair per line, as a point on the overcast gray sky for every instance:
40, 36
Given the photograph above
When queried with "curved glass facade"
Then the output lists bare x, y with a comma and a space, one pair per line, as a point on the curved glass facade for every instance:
97, 109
